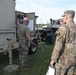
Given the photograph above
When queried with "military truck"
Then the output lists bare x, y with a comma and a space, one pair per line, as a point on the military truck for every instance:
8, 26
47, 33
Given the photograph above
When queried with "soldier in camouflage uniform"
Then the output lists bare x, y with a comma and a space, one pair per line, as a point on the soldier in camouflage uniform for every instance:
24, 38
64, 53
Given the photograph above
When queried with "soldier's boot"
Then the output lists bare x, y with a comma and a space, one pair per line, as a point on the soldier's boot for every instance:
22, 69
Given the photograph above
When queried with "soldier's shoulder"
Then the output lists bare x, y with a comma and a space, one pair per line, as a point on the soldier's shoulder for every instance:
24, 26
62, 28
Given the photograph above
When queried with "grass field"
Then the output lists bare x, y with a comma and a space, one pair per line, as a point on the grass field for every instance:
37, 63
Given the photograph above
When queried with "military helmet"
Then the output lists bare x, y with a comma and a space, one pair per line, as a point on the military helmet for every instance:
69, 13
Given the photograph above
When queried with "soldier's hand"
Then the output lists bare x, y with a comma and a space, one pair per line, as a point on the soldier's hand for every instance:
52, 63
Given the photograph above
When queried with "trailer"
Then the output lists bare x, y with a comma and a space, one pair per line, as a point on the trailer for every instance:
8, 26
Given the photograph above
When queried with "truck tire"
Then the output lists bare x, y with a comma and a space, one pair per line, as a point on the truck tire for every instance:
53, 39
33, 49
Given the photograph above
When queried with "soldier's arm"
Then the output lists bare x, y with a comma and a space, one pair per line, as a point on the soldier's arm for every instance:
28, 35
29, 38
60, 39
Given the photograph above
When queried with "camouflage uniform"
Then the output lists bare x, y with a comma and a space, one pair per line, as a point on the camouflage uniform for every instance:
23, 45
64, 53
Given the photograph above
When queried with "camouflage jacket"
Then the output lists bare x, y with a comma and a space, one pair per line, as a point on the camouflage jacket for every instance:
22, 30
65, 41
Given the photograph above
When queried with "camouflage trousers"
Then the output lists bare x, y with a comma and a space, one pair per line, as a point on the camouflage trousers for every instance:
23, 54
65, 67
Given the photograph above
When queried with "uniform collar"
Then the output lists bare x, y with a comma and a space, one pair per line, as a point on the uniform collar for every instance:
69, 24
72, 22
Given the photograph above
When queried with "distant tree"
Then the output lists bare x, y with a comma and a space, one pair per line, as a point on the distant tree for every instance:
40, 25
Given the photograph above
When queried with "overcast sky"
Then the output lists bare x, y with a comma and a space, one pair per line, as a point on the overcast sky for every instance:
46, 9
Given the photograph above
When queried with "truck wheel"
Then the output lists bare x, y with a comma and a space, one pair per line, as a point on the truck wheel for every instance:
33, 49
53, 38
